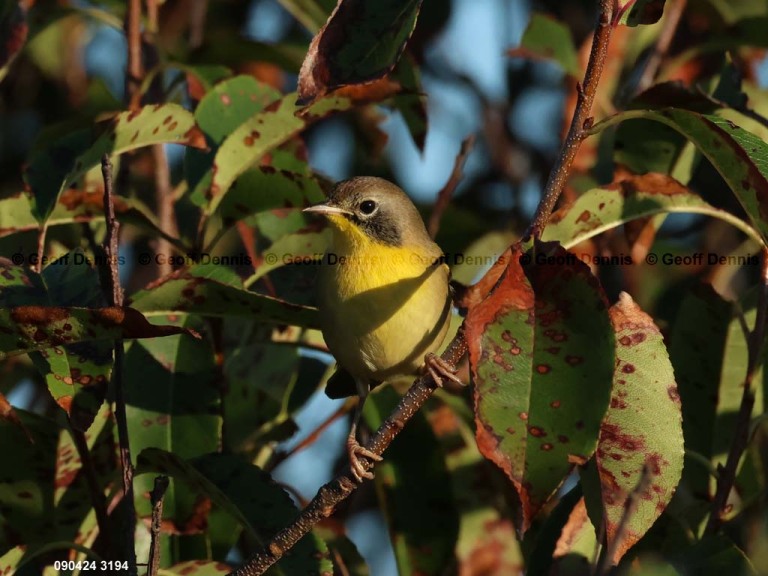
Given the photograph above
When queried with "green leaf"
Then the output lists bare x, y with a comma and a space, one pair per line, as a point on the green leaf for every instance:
636, 12
249, 495
602, 209
549, 39
267, 130
265, 188
308, 12
738, 155
260, 379
304, 247
415, 492
192, 291
53, 169
219, 113
535, 344
642, 429
360, 42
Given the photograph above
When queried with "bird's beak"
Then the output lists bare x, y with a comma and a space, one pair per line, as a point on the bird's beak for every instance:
326, 209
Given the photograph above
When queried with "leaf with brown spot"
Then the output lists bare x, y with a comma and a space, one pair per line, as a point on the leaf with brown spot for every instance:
629, 199
8, 414
54, 168
531, 413
361, 42
642, 428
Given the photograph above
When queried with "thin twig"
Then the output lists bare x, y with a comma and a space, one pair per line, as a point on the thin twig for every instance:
156, 497
726, 478
115, 298
673, 13
580, 122
338, 489
444, 197
135, 69
630, 507
311, 438
96, 493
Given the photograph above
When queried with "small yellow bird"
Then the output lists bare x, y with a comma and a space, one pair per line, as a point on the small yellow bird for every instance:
383, 294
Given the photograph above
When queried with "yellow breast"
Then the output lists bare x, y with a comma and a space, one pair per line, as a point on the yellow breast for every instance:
382, 308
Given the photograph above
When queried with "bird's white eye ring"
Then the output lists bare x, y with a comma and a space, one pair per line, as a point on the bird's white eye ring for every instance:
368, 207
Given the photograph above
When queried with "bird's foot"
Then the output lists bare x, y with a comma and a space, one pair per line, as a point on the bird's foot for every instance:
440, 370
354, 451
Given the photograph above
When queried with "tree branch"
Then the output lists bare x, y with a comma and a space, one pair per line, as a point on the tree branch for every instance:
581, 120
338, 489
115, 298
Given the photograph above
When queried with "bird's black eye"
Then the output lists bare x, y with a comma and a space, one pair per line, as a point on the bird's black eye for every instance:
367, 207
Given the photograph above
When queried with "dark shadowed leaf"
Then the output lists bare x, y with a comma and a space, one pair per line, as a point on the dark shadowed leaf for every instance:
636, 12
362, 41
415, 491
539, 341
714, 556
546, 38
54, 168
642, 429
249, 496
173, 404
198, 568
709, 351
411, 102
13, 33
198, 290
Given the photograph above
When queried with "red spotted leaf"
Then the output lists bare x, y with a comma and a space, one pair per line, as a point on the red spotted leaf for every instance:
642, 429
541, 352
361, 41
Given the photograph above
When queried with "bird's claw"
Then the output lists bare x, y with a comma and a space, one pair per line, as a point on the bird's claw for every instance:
354, 450
440, 370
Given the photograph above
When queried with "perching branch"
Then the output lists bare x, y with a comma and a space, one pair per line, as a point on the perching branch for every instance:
115, 298
338, 489
581, 121
444, 197
727, 474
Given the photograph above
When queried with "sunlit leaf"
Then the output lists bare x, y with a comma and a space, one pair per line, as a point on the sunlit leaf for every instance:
54, 168
642, 433
536, 343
